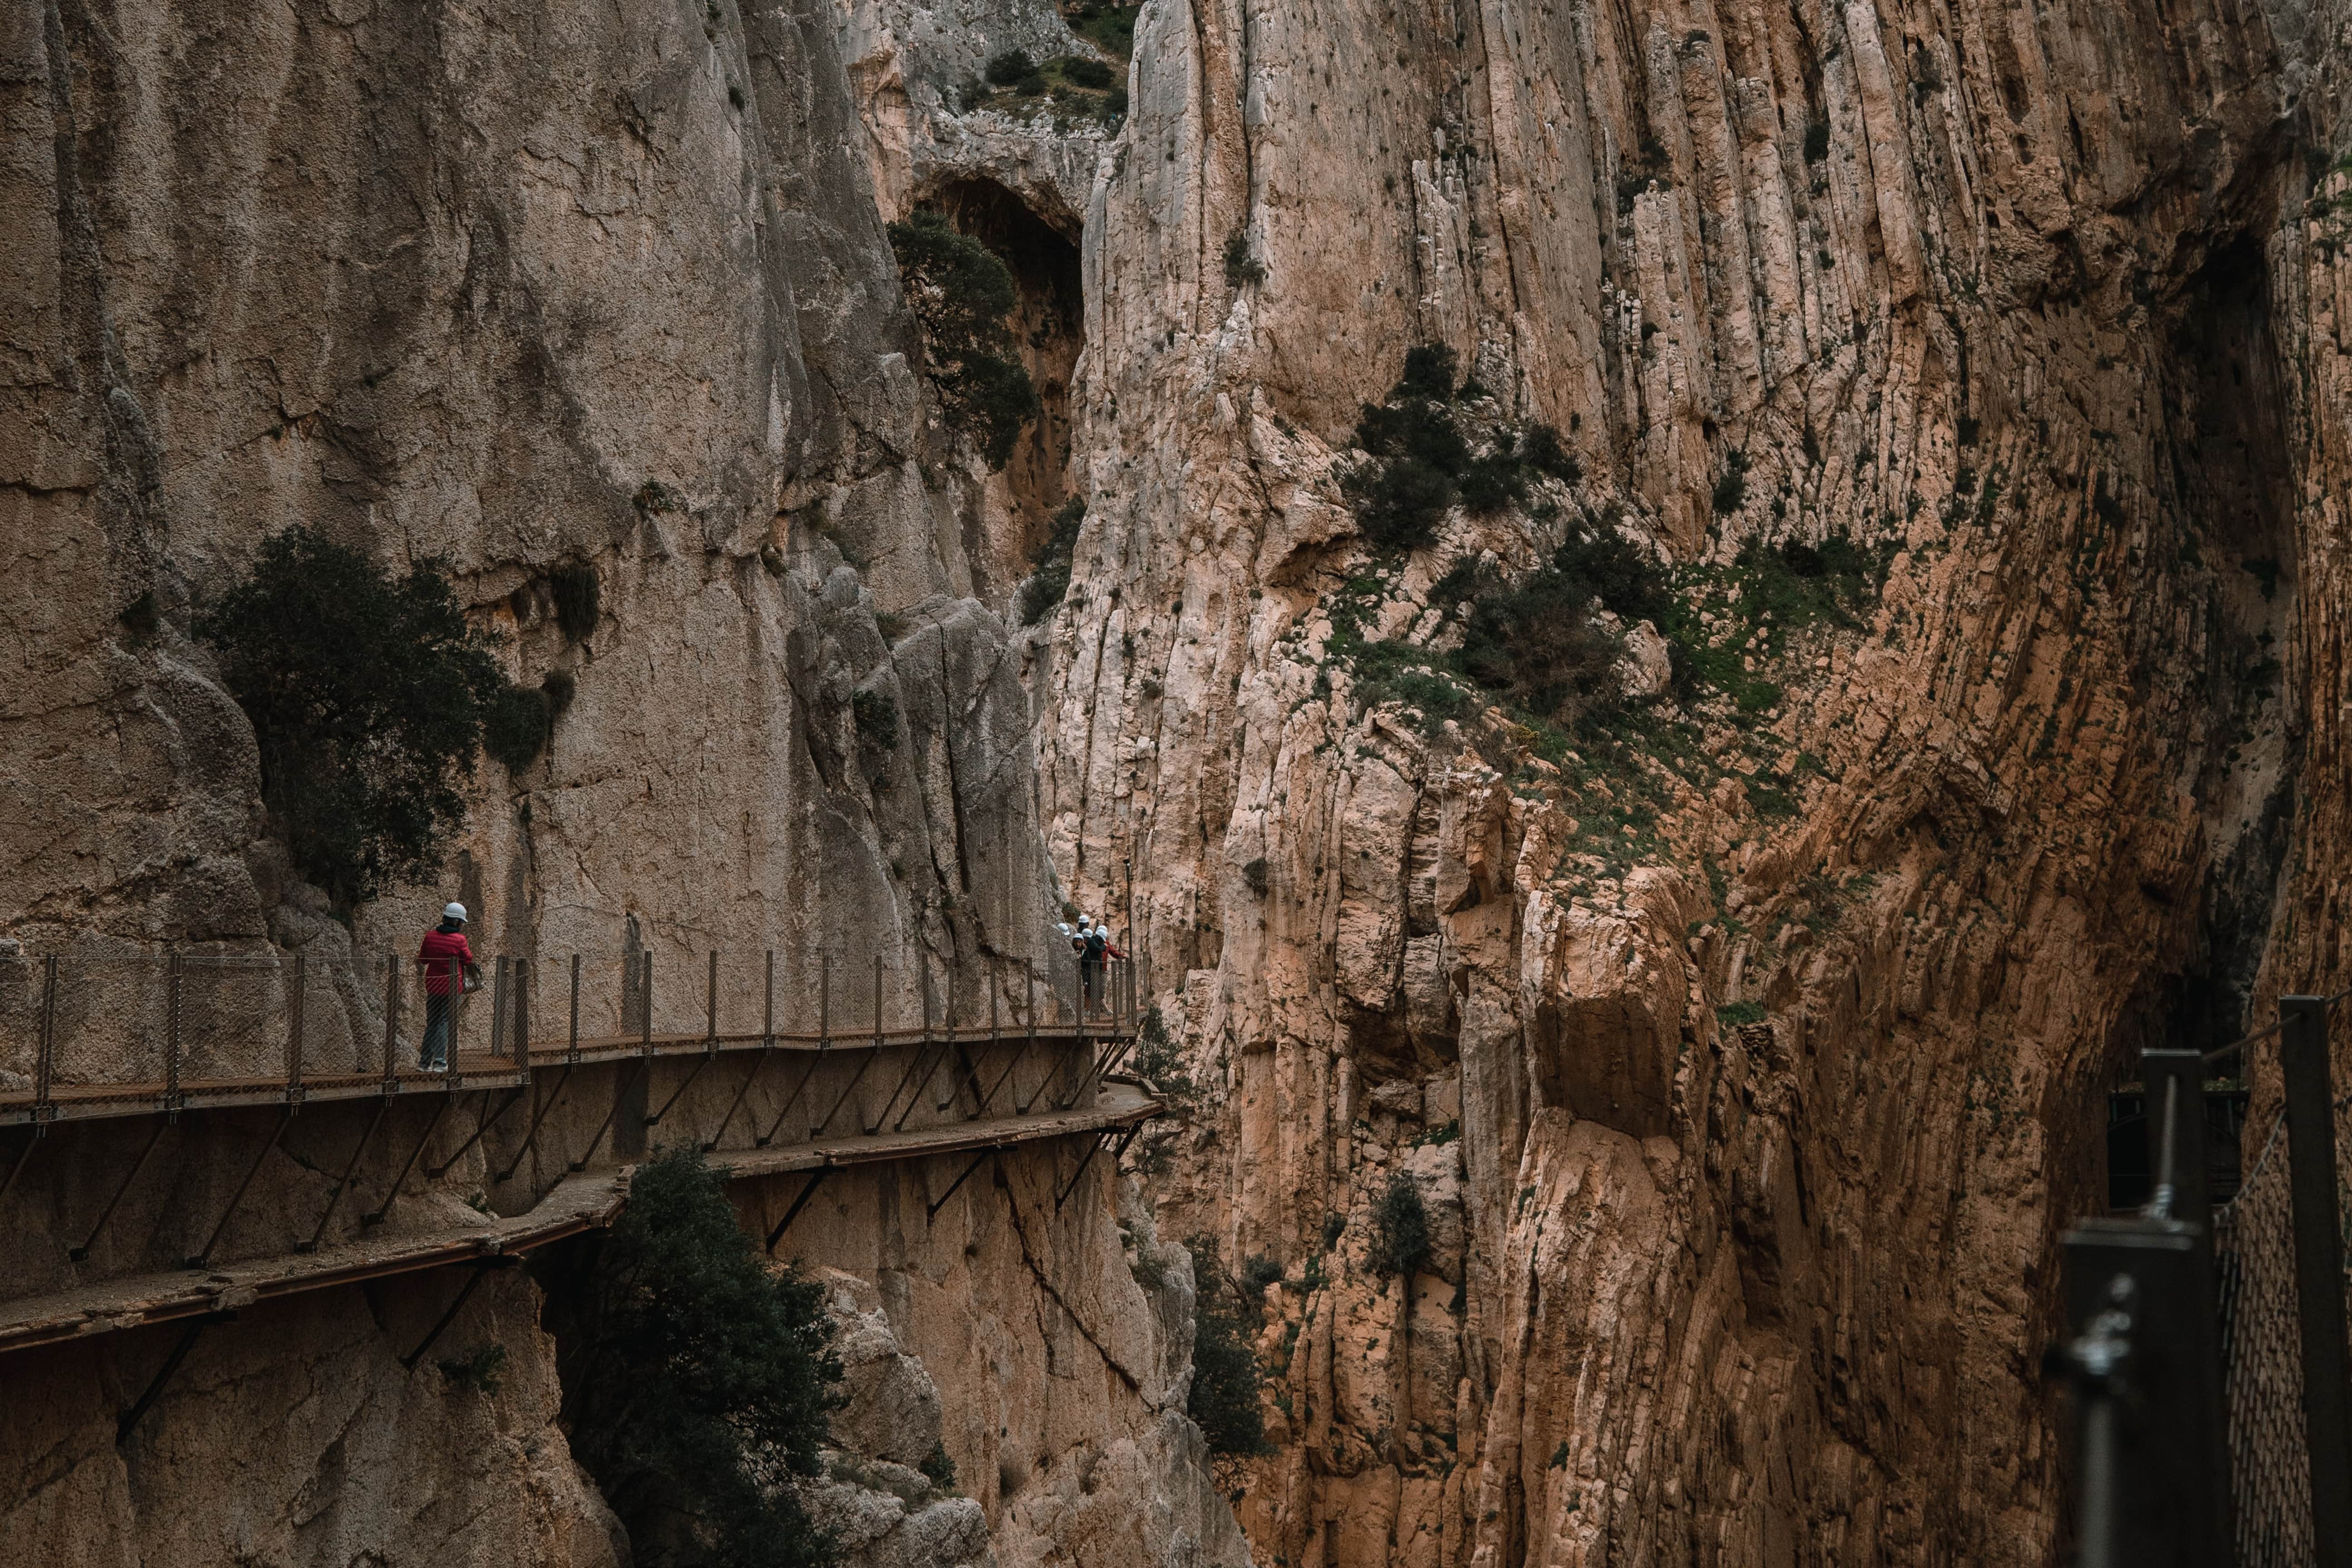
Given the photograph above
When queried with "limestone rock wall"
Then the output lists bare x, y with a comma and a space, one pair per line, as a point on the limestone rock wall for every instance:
296, 1436
1761, 1110
527, 290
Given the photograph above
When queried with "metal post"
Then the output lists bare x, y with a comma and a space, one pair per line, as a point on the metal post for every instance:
767, 1006
522, 1016
43, 1112
646, 999
391, 1020
799, 1203
877, 1001
171, 1106
571, 1044
294, 1031
711, 1024
2319, 1272
823, 998
497, 1008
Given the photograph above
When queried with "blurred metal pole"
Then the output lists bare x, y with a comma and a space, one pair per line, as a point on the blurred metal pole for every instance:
571, 1043
171, 1106
2313, 1177
44, 1065
294, 1030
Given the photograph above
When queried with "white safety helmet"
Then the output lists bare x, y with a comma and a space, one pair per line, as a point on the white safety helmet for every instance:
453, 912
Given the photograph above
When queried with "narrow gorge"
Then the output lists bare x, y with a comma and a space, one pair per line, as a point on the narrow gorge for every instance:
1667, 633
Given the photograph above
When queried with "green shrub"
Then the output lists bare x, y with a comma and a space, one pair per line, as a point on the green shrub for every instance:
1240, 268
1011, 68
560, 688
1081, 70
1049, 567
875, 714
1731, 489
1492, 484
367, 696
1400, 1242
1398, 503
1226, 1377
1428, 373
962, 295
1541, 450
697, 1382
1260, 1271
1160, 1064
939, 1468
579, 601
1110, 28
1817, 141
516, 723
1255, 874
1736, 1013
482, 1368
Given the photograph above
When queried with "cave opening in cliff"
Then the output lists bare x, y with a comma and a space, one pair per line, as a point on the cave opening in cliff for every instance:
2226, 447
1049, 328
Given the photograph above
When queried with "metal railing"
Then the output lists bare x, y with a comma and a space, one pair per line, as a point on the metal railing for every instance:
121, 1033
2207, 1346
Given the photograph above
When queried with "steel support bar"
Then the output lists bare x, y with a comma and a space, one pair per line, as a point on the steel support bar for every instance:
839, 1100
800, 1202
335, 1193
481, 1126
81, 1254
1112, 1054
620, 1093
1094, 1147
16, 1166
474, 1276
531, 1136
767, 1046
128, 1422
927, 1059
2318, 1273
408, 1164
808, 1074
199, 1259
940, 1201
990, 1099
701, 1062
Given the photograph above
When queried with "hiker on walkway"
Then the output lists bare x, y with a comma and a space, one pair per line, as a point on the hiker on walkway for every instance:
449, 973
1094, 945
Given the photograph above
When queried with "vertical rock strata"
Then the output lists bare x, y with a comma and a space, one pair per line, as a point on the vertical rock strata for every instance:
536, 292
1744, 1119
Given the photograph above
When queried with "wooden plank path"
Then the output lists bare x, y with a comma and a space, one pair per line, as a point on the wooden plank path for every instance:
582, 1202
83, 1103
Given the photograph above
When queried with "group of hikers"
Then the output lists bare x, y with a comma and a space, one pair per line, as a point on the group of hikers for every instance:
450, 970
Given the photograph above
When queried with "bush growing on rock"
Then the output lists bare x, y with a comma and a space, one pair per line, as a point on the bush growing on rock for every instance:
962, 295
1226, 1377
1400, 1242
368, 698
697, 1382
1049, 567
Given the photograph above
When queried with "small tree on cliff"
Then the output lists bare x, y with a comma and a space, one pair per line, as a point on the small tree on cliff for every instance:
697, 1381
1226, 1376
961, 294
370, 698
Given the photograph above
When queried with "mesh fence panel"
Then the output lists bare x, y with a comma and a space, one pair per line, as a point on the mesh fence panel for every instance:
2261, 1358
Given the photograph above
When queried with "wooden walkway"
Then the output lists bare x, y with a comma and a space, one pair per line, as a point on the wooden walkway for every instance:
48, 1104
579, 1202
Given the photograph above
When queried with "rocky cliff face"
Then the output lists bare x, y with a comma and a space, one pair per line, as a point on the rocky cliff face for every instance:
542, 293
1746, 1054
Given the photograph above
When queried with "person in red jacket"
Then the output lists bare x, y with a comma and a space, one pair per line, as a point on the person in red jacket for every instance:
449, 973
